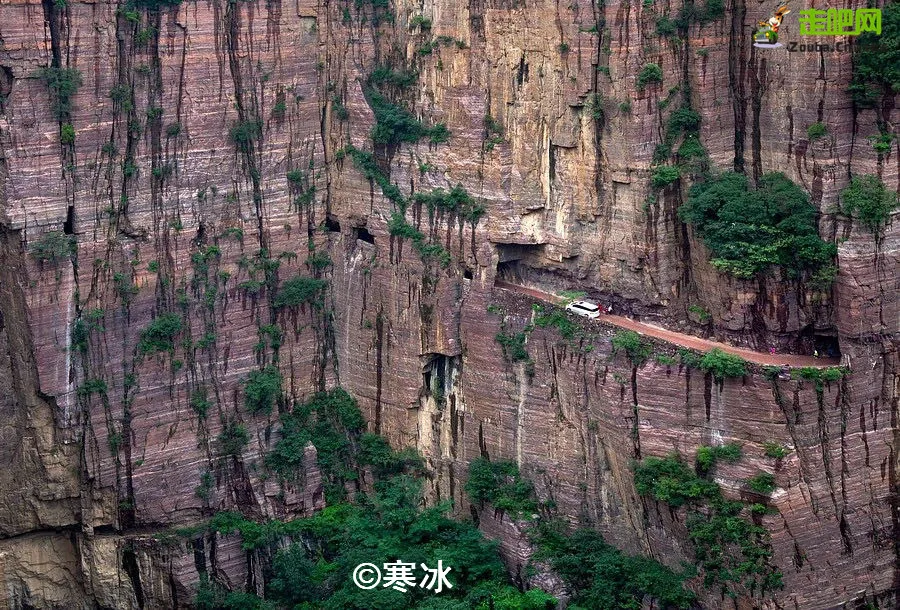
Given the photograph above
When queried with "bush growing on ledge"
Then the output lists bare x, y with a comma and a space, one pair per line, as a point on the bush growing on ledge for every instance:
500, 484
232, 439
763, 483
664, 175
53, 247
774, 450
867, 199
395, 124
722, 364
63, 83
457, 200
633, 345
243, 133
876, 60
816, 131
299, 290
159, 335
261, 389
708, 456
748, 231
650, 73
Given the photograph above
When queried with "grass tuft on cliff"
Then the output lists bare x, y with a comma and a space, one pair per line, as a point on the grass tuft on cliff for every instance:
870, 201
261, 389
299, 290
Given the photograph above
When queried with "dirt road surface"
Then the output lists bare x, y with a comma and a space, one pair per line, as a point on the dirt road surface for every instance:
691, 342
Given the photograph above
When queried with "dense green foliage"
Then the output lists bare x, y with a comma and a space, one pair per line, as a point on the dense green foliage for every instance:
876, 60
399, 227
730, 548
690, 14
722, 364
558, 319
633, 345
299, 290
63, 83
708, 456
159, 335
232, 439
513, 346
244, 133
749, 230
67, 134
819, 376
601, 576
53, 247
501, 484
456, 201
262, 388
395, 124
365, 162
664, 175
867, 199
816, 131
763, 483
650, 73
401, 78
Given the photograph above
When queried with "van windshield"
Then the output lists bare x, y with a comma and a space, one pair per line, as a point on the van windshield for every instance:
588, 306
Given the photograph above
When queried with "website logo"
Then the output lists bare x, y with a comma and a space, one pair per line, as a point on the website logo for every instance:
817, 22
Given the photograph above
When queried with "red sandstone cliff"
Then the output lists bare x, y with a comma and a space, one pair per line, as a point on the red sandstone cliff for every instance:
90, 477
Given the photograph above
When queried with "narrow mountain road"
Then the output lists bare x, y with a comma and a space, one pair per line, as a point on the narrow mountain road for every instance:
703, 345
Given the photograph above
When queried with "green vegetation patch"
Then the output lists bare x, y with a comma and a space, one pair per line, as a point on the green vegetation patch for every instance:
708, 456
232, 439
455, 201
53, 247
876, 60
262, 388
159, 335
63, 83
869, 200
601, 576
650, 73
750, 230
557, 318
729, 547
395, 124
299, 290
722, 364
501, 484
632, 345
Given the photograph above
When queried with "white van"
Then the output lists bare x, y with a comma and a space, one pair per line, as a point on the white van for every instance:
584, 308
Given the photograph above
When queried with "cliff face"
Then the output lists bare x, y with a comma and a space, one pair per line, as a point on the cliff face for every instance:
188, 122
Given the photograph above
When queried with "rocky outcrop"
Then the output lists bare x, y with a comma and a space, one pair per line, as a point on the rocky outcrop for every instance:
187, 124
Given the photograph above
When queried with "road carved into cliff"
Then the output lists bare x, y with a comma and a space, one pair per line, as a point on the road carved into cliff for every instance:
680, 339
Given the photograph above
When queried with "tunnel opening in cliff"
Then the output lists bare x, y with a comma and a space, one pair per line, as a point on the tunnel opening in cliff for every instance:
516, 262
362, 234
816, 340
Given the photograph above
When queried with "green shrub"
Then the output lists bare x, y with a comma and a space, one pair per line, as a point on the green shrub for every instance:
665, 26
402, 78
63, 83
200, 402
243, 134
816, 131
394, 124
763, 483
876, 60
625, 107
204, 489
867, 199
456, 201
501, 484
92, 386
689, 358
513, 346
669, 480
708, 456
633, 345
558, 319
774, 450
159, 335
173, 129
600, 576
748, 231
665, 359
664, 175
53, 247
337, 106
232, 439
299, 290
563, 47
722, 364
67, 134
701, 313
261, 389
650, 73
418, 21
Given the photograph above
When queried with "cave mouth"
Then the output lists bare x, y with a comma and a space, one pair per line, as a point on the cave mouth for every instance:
332, 224
515, 260
822, 341
362, 234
